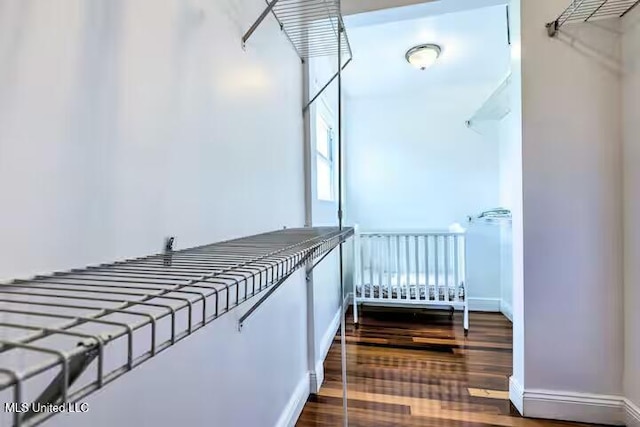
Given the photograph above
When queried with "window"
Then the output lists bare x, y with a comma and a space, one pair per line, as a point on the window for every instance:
324, 159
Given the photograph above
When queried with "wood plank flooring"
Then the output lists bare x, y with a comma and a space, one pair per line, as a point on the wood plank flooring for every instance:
408, 368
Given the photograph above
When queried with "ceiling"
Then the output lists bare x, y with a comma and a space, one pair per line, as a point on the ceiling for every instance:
350, 7
474, 51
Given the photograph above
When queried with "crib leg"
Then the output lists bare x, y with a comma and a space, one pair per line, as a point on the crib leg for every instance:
355, 312
451, 312
466, 319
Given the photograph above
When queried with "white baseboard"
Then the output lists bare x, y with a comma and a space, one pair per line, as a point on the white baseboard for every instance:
327, 338
317, 377
632, 414
516, 394
506, 309
296, 403
484, 304
577, 407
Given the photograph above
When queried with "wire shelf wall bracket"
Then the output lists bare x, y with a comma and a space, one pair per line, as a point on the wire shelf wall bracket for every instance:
68, 334
495, 107
591, 10
315, 28
306, 260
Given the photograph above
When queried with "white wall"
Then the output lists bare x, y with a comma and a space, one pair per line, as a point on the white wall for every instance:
510, 161
572, 212
483, 268
510, 140
511, 135
215, 377
413, 164
124, 128
122, 122
506, 270
631, 93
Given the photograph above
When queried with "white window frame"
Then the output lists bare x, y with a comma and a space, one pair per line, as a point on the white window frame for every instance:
323, 112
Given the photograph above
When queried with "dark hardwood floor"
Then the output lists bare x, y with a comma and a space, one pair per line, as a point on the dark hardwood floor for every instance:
408, 368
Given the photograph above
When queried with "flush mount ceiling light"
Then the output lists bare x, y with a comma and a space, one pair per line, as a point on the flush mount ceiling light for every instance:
423, 56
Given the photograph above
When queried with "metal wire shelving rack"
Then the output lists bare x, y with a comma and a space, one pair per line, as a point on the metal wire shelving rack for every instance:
591, 10
65, 335
315, 28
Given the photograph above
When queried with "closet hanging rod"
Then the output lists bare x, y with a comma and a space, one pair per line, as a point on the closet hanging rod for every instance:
70, 333
590, 10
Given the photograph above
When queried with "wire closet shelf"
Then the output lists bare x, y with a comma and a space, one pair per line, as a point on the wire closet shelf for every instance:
591, 10
65, 335
314, 27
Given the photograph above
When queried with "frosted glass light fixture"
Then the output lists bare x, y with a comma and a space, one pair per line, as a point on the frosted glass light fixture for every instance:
423, 56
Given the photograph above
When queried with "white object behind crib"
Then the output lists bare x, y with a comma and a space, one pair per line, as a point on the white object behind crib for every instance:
411, 268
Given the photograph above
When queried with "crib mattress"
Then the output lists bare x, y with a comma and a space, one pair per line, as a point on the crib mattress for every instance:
420, 292
413, 279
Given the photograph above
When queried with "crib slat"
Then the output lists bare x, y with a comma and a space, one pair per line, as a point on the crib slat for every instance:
456, 276
379, 262
387, 264
407, 273
398, 265
447, 265
427, 275
388, 261
417, 266
370, 261
437, 266
407, 261
363, 242
403, 266
463, 266
379, 256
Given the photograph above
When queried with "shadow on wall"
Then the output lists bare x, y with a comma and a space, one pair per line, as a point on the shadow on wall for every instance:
599, 41
13, 34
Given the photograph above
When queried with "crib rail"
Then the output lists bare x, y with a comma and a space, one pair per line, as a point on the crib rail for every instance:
410, 267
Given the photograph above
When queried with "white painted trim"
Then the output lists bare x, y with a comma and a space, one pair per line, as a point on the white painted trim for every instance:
516, 394
506, 309
317, 376
484, 304
296, 403
327, 338
632, 413
311, 334
348, 300
571, 406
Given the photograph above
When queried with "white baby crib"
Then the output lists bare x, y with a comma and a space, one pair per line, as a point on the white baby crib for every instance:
425, 269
